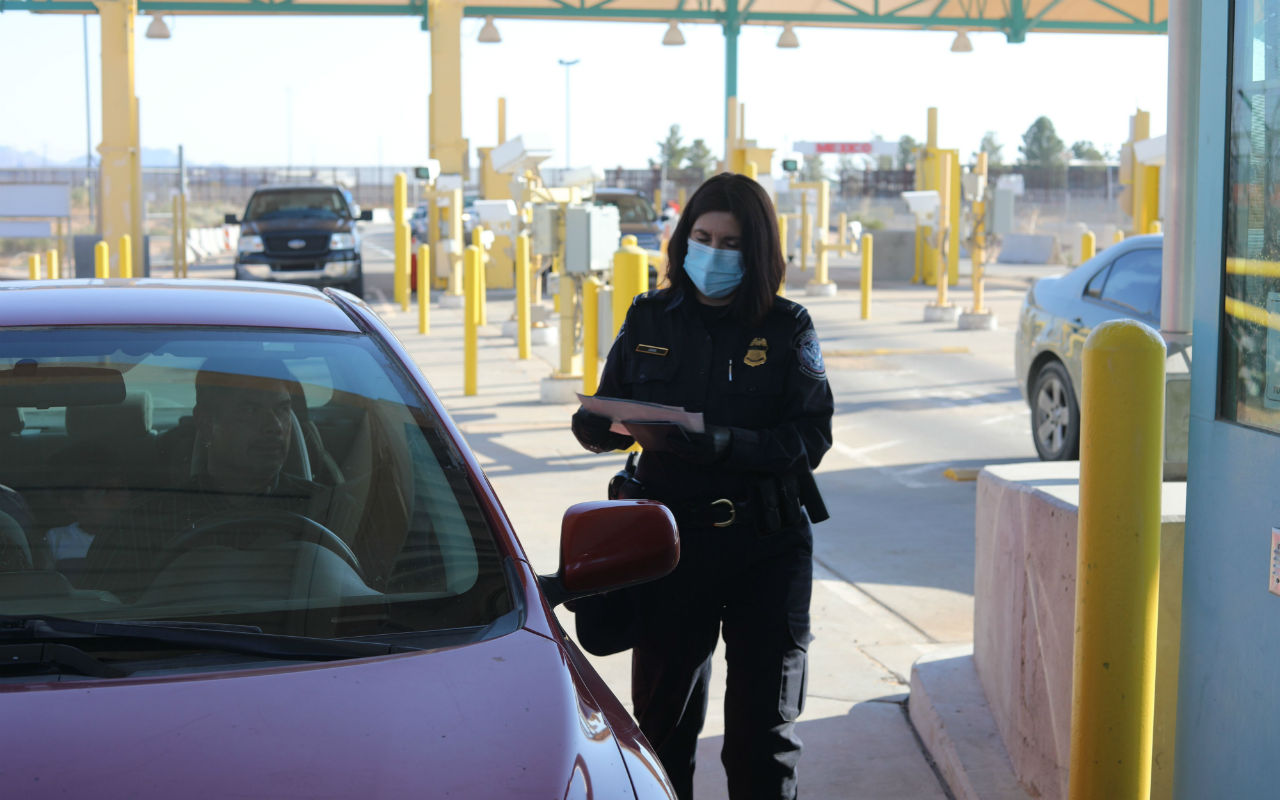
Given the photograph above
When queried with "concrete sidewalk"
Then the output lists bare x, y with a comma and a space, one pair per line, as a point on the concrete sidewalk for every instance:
859, 740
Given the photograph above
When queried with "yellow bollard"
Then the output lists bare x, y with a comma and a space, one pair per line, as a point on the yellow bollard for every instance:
126, 256
1119, 237
630, 278
399, 203
523, 300
978, 283
54, 271
1155, 227
477, 239
404, 246
424, 289
782, 235
806, 232
865, 277
102, 260
751, 170
590, 336
470, 318
1117, 563
33, 266
1088, 246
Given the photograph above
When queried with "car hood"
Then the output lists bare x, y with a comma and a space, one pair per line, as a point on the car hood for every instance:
291, 224
503, 718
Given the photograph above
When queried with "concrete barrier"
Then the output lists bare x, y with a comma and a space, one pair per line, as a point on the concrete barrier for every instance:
1028, 248
895, 256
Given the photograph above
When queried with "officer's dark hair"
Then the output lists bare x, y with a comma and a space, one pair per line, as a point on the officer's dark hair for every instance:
763, 267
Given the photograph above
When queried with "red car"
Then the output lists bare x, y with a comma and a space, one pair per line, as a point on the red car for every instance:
245, 553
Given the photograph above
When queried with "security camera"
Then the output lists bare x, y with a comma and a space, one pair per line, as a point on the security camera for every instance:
515, 156
428, 172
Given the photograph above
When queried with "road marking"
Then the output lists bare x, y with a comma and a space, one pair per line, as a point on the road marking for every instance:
897, 475
961, 474
862, 601
382, 251
1003, 418
858, 452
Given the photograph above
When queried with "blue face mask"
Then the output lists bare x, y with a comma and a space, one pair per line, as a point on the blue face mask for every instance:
716, 273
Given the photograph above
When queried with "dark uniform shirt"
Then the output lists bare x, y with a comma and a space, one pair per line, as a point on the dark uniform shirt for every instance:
765, 382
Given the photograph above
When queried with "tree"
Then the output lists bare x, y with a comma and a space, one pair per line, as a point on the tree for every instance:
1085, 151
672, 150
699, 157
812, 170
1041, 146
907, 147
992, 148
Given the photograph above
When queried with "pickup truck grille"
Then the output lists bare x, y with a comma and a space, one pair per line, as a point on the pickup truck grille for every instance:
312, 243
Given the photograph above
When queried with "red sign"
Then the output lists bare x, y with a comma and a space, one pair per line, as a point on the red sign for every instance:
842, 147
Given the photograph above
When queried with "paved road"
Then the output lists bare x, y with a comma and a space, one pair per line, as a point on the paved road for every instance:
894, 565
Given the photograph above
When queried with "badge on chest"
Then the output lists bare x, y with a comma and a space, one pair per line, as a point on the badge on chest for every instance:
651, 349
757, 352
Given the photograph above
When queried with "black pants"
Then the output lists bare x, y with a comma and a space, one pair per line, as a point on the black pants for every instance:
756, 591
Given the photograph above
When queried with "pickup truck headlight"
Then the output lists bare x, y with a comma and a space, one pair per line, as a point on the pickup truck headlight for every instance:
342, 241
250, 244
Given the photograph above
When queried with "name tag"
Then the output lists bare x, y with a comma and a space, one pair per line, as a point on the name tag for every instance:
652, 350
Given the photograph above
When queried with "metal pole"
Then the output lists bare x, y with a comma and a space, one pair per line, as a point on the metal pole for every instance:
566, 63
471, 319
731, 29
1177, 301
424, 289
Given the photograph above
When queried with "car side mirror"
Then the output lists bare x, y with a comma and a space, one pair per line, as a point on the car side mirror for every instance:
612, 544
366, 215
230, 219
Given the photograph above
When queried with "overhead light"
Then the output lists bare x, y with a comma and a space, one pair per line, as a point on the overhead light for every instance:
489, 33
673, 36
157, 29
788, 37
962, 43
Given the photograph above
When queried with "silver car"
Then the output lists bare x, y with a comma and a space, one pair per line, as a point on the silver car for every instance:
1121, 282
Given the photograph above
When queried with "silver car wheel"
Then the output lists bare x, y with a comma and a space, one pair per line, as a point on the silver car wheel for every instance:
1055, 419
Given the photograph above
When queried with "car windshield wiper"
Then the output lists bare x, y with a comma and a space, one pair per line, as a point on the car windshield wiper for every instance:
62, 657
204, 636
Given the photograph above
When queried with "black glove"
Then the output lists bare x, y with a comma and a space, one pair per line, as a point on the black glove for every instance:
705, 448
593, 432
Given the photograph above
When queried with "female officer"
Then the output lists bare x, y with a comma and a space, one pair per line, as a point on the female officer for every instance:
720, 341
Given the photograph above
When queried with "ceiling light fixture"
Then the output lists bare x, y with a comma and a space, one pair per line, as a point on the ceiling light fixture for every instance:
157, 29
788, 37
489, 33
673, 36
961, 43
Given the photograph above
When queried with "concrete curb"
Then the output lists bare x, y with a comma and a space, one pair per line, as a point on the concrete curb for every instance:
950, 713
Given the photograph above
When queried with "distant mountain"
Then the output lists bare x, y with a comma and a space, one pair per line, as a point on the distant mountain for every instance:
151, 157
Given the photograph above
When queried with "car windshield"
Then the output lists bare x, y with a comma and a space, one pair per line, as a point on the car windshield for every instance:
293, 481
278, 203
631, 208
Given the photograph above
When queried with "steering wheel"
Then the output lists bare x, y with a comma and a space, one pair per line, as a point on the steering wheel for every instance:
250, 530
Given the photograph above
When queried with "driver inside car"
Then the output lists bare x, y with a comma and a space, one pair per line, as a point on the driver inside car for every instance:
244, 430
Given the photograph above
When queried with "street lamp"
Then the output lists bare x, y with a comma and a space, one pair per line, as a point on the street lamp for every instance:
568, 162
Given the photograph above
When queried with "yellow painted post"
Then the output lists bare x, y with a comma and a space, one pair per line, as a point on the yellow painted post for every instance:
590, 336
523, 300
806, 232
1155, 227
126, 257
424, 289
940, 273
33, 266
630, 278
824, 232
657, 201
1117, 563
751, 170
120, 199
1119, 237
399, 204
782, 235
842, 232
102, 260
865, 277
470, 318
477, 239
681, 197
951, 165
918, 275
1088, 246
52, 257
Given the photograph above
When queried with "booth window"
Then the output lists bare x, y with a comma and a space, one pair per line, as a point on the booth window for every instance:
1249, 382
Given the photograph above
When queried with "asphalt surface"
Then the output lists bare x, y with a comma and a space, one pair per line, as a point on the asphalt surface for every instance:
895, 564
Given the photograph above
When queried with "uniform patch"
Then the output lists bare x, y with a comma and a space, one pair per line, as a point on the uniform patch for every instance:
651, 349
809, 350
757, 352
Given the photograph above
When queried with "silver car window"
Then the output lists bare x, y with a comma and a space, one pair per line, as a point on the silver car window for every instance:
1134, 282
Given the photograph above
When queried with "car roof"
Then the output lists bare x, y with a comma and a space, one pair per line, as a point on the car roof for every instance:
617, 190
282, 187
169, 302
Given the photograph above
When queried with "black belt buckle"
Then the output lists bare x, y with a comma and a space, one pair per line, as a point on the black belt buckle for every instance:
733, 512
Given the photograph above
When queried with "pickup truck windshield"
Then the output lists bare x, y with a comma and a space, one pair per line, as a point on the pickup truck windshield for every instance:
280, 203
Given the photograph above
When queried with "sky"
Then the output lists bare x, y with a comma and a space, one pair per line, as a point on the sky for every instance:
353, 91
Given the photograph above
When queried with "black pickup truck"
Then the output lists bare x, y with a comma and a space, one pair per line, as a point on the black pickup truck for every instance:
304, 234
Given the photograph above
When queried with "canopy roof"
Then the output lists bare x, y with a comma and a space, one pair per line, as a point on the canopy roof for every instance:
1013, 17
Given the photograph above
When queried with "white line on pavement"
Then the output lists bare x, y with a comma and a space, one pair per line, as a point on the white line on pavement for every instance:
382, 251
